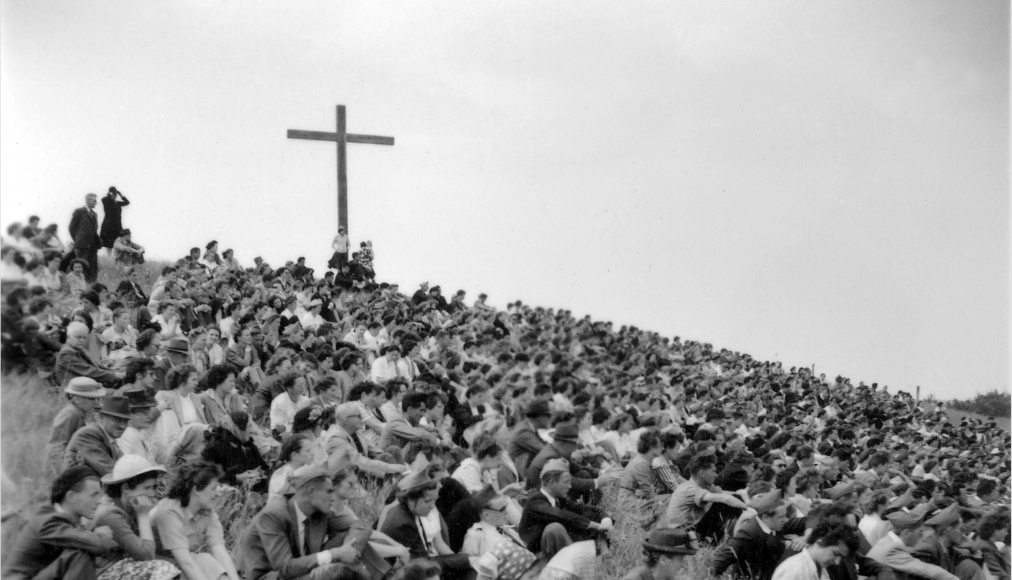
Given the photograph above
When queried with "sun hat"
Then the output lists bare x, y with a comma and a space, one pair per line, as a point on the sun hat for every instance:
139, 398
308, 473
558, 464
417, 476
178, 345
129, 467
766, 502
116, 407
568, 432
85, 387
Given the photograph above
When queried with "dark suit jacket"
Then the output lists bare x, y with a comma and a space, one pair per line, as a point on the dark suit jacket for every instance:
524, 446
112, 223
464, 418
932, 552
72, 362
42, 541
271, 542
538, 513
91, 446
400, 525
754, 552
996, 563
84, 229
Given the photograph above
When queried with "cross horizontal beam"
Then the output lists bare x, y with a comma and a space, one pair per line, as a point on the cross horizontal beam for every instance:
349, 137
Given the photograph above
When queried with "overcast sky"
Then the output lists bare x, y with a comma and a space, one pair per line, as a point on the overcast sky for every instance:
806, 181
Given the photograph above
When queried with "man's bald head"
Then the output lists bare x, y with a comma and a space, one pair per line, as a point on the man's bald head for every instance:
77, 334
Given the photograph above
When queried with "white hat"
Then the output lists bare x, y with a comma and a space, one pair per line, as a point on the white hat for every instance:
129, 467
85, 387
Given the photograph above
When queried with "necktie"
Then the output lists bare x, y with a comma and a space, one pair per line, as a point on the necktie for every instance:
358, 444
379, 414
425, 539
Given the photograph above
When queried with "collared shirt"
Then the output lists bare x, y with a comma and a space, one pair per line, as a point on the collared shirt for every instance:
177, 528
551, 498
301, 517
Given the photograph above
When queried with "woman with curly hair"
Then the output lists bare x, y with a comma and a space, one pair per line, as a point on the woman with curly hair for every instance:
180, 382
185, 522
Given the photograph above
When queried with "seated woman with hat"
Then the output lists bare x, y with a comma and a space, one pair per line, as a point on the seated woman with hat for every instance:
404, 523
130, 492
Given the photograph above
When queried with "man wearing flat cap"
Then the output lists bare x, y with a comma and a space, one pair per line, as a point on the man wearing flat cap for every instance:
664, 552
758, 543
298, 537
85, 396
95, 445
549, 512
893, 550
943, 548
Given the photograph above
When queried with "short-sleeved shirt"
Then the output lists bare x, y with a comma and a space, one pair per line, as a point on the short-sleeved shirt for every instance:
175, 529
686, 506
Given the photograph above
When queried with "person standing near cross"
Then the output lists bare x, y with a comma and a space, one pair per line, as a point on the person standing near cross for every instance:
340, 246
84, 231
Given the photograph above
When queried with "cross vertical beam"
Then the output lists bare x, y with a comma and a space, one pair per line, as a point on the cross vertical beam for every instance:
342, 138
342, 168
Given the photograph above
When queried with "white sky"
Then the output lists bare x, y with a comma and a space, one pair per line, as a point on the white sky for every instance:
808, 181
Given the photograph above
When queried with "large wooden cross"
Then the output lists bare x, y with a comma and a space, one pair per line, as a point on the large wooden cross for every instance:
342, 137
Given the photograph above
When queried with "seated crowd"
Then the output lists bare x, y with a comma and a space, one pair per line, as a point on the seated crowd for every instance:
516, 442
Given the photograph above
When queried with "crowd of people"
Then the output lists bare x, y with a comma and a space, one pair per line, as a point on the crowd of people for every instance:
517, 441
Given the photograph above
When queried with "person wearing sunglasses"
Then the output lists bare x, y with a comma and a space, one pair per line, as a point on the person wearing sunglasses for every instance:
493, 526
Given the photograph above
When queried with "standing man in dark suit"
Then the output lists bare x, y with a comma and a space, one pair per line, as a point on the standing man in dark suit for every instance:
84, 232
112, 223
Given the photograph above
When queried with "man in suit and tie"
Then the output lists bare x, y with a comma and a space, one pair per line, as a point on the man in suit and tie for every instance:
758, 543
94, 444
297, 536
549, 516
84, 232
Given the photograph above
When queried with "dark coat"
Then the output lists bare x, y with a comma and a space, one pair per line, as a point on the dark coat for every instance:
752, 551
91, 446
538, 513
271, 542
524, 446
42, 541
84, 229
73, 362
112, 223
